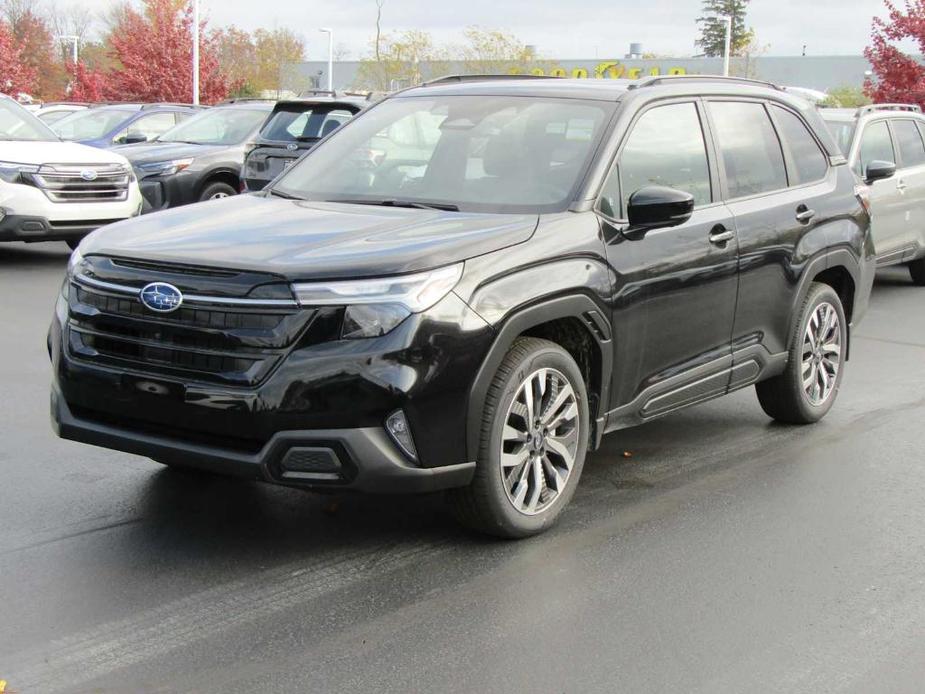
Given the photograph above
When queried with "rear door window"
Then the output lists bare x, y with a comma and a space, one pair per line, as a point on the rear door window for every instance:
809, 162
665, 148
908, 142
876, 145
293, 124
750, 150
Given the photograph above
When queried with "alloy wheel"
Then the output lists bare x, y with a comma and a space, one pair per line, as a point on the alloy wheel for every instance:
821, 353
539, 442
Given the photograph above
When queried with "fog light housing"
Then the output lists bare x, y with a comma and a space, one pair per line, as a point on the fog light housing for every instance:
397, 426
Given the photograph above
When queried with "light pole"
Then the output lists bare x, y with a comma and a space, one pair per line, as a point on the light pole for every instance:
195, 52
728, 20
75, 40
330, 33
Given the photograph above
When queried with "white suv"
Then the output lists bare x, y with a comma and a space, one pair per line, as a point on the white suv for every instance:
873, 138
52, 190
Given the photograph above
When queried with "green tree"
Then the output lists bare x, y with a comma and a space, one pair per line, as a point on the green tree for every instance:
846, 96
274, 48
493, 52
713, 27
403, 61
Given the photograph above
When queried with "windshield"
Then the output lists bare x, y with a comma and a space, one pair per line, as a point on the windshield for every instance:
49, 117
842, 131
219, 126
16, 123
90, 124
311, 123
477, 153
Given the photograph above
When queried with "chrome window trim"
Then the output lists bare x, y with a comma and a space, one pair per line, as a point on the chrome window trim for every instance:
188, 298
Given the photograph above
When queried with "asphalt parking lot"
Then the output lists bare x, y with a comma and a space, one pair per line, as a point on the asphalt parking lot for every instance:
721, 553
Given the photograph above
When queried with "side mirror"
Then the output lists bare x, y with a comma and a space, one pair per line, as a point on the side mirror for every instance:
878, 170
134, 139
655, 207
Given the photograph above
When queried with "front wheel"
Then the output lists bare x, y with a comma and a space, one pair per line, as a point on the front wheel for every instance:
215, 191
807, 389
535, 432
917, 271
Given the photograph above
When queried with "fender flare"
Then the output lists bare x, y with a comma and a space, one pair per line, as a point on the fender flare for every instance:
836, 258
578, 306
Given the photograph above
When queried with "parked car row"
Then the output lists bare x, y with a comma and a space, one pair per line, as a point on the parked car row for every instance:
466, 286
176, 154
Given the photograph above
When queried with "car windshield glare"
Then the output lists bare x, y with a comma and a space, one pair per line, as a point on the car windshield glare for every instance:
18, 124
477, 153
90, 124
218, 126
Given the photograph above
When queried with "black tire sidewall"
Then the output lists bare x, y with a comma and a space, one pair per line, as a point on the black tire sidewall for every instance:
510, 521
214, 188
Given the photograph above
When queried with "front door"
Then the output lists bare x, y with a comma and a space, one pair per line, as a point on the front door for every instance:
675, 293
887, 197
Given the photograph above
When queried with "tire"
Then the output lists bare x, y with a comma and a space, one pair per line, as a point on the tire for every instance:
786, 398
917, 271
216, 190
530, 502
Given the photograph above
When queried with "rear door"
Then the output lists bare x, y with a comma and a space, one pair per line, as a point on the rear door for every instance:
676, 287
776, 180
910, 183
887, 197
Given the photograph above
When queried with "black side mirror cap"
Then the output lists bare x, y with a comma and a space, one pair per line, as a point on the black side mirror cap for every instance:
656, 207
879, 170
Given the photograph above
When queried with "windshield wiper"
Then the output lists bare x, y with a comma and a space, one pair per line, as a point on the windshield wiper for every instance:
284, 196
403, 203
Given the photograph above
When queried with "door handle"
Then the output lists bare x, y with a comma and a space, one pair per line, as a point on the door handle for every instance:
804, 214
721, 235
900, 185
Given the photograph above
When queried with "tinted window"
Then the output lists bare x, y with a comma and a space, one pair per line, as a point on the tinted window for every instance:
876, 145
480, 153
808, 160
289, 125
750, 149
665, 148
909, 142
217, 126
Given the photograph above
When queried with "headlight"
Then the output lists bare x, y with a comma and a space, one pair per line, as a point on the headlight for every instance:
165, 168
376, 306
11, 171
74, 261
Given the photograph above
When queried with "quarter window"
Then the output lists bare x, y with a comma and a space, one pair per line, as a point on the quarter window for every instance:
876, 145
809, 162
665, 148
750, 149
909, 142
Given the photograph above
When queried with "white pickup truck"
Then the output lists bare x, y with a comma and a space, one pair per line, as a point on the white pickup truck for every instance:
57, 191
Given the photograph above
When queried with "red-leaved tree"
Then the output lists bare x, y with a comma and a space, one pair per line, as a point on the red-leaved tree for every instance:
897, 76
87, 84
15, 75
154, 49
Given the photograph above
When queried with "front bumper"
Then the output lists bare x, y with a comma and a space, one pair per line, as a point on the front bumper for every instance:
34, 228
361, 459
163, 192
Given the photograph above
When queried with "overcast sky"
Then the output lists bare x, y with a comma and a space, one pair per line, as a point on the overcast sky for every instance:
560, 29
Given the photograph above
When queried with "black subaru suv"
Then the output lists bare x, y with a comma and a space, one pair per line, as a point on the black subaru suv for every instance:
293, 128
523, 266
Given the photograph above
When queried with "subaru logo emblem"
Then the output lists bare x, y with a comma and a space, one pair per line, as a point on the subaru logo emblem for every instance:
88, 175
292, 146
161, 297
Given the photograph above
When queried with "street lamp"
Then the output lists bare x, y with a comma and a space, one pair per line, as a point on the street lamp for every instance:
195, 52
728, 20
330, 33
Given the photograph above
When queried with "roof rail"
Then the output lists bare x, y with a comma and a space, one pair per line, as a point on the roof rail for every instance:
658, 79
168, 103
317, 92
243, 100
872, 108
449, 79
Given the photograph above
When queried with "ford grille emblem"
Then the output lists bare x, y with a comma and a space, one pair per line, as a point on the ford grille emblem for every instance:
161, 297
88, 175
292, 146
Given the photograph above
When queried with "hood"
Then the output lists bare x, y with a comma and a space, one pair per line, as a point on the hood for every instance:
145, 152
304, 240
55, 152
